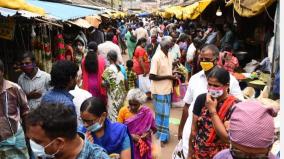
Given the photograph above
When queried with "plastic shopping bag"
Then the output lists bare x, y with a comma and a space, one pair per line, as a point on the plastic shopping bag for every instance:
178, 151
144, 83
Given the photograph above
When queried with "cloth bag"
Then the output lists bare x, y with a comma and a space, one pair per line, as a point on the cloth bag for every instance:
178, 151
144, 83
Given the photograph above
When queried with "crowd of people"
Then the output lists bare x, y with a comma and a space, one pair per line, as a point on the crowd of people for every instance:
93, 102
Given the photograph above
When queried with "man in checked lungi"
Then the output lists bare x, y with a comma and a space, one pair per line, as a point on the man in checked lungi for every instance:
162, 78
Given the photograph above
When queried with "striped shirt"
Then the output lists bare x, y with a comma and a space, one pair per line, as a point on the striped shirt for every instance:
40, 83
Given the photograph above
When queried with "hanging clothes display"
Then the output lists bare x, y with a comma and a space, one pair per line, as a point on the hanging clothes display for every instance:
47, 56
36, 45
41, 47
59, 47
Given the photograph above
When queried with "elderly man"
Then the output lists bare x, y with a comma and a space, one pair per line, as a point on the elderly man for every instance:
13, 108
198, 85
161, 87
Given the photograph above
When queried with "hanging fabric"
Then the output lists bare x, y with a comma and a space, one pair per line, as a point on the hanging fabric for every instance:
59, 47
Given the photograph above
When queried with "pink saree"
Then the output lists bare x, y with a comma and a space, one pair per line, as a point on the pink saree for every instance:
142, 122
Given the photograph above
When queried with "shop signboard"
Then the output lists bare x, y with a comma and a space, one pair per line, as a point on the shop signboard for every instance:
7, 28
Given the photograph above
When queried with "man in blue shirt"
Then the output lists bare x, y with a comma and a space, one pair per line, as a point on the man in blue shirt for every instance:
63, 79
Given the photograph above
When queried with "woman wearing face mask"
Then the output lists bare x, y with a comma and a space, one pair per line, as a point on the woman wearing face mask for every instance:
140, 122
112, 136
114, 82
210, 113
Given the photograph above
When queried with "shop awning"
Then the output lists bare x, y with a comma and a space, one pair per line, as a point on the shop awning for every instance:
21, 5
11, 12
194, 10
81, 23
174, 10
250, 8
63, 12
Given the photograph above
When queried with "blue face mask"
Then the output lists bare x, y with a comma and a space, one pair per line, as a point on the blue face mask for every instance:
95, 127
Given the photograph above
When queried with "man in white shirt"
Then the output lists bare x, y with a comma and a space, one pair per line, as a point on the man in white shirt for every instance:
155, 31
80, 95
108, 45
198, 85
141, 32
175, 51
33, 81
190, 53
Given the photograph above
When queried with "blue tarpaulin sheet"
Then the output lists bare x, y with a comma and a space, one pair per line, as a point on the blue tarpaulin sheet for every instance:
63, 12
145, 14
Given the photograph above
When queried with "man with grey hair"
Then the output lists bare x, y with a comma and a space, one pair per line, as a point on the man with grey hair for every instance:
198, 85
162, 78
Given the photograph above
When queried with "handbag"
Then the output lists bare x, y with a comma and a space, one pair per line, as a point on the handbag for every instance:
178, 151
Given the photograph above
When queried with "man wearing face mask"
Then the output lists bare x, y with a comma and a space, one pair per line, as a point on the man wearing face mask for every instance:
198, 85
53, 129
162, 78
33, 81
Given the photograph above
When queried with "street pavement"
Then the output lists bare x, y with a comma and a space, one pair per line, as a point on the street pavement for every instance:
166, 152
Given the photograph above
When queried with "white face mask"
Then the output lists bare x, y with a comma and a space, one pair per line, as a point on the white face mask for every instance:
39, 150
80, 47
215, 92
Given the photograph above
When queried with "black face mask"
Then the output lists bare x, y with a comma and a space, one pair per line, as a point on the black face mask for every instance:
237, 154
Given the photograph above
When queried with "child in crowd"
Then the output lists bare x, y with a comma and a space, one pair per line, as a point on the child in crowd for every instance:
131, 75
